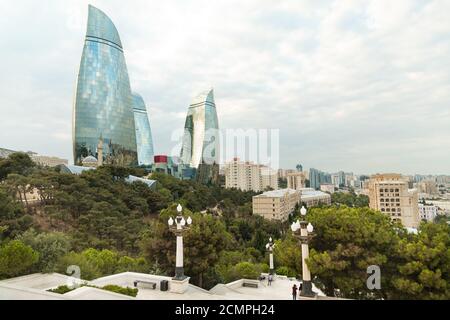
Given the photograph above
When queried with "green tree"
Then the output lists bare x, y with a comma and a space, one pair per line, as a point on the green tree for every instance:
18, 162
347, 241
423, 264
16, 258
50, 246
9, 209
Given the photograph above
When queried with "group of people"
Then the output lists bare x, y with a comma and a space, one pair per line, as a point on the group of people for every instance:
295, 289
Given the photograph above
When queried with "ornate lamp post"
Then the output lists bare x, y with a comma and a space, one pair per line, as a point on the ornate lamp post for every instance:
178, 226
302, 230
269, 246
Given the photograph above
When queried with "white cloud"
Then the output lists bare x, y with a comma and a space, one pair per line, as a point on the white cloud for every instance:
352, 85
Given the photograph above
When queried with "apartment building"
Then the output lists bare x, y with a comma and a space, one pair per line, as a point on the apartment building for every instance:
247, 175
389, 194
276, 204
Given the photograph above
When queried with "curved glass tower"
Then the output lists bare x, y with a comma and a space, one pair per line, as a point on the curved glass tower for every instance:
103, 107
144, 139
201, 132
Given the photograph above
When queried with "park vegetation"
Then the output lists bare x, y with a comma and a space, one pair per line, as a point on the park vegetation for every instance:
105, 225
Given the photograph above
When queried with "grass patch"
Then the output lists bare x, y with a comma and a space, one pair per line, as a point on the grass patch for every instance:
132, 292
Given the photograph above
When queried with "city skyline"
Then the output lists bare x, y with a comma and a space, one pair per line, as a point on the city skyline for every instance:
350, 86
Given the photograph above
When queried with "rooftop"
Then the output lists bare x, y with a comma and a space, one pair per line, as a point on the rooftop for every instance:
277, 193
310, 192
35, 287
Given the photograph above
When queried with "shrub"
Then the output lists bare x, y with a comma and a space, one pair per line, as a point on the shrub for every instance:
61, 289
117, 289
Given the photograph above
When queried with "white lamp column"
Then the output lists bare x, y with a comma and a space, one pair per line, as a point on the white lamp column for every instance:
178, 226
269, 246
303, 231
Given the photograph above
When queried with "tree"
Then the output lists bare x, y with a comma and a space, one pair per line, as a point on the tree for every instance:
423, 263
287, 254
16, 258
18, 162
50, 246
9, 209
202, 244
347, 241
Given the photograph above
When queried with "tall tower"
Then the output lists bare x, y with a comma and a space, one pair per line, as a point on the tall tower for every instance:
201, 132
103, 103
144, 139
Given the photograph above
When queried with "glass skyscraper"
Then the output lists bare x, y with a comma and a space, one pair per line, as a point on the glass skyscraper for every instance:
201, 132
103, 108
143, 131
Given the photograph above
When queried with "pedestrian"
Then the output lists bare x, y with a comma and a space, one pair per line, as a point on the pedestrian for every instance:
294, 292
300, 287
269, 280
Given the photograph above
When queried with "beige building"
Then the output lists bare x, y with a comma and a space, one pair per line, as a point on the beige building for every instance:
276, 204
296, 180
282, 173
428, 187
249, 176
389, 194
327, 188
311, 197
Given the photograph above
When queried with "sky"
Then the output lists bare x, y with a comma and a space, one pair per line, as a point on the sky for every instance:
359, 86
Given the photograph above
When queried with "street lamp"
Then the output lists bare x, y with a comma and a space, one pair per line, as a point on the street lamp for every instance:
303, 231
269, 246
178, 226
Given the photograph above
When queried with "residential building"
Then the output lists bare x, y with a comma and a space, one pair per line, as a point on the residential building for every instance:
282, 173
276, 204
311, 197
103, 108
428, 187
144, 140
46, 161
389, 193
427, 212
200, 140
329, 188
296, 180
247, 175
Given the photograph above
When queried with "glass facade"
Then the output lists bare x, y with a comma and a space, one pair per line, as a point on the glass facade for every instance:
201, 132
103, 107
144, 139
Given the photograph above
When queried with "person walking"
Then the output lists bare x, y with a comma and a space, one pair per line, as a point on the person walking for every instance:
300, 287
294, 292
269, 280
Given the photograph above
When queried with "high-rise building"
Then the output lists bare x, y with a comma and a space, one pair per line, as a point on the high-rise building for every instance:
317, 177
201, 132
389, 194
144, 139
103, 107
296, 180
249, 176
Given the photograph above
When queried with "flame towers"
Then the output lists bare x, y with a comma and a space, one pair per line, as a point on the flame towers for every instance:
143, 131
103, 108
200, 144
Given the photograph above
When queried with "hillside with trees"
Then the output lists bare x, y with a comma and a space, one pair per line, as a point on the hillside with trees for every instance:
106, 225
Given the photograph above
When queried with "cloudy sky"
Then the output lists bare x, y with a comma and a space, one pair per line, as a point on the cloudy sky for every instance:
361, 86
